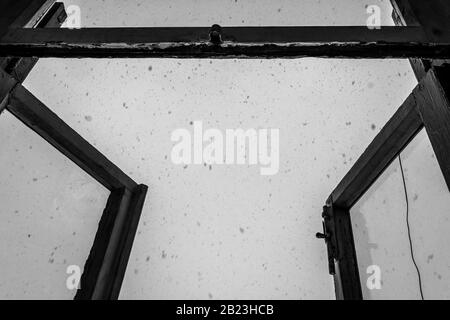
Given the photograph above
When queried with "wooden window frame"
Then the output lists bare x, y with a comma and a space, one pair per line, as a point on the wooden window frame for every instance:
427, 107
30, 30
106, 264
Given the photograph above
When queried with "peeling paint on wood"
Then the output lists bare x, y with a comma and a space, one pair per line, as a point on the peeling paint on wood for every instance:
238, 42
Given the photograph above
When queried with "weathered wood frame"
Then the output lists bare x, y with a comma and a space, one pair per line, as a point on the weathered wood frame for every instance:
428, 106
231, 42
105, 267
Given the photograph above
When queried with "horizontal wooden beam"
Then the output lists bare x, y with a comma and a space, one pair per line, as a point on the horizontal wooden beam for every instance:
33, 113
395, 135
241, 42
20, 67
436, 115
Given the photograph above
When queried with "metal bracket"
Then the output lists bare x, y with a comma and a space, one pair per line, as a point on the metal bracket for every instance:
215, 34
329, 235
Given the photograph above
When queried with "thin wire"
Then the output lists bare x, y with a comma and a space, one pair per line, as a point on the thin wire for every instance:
409, 229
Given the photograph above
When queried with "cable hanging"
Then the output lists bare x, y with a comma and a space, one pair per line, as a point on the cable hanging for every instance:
408, 227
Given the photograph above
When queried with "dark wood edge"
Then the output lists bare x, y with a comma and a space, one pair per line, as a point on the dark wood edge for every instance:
96, 257
242, 42
112, 228
130, 36
434, 109
21, 13
390, 141
34, 114
106, 266
427, 107
346, 277
20, 67
127, 239
31, 16
403, 15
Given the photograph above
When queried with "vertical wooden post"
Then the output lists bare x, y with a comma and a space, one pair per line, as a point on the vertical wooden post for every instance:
436, 115
433, 16
22, 13
346, 278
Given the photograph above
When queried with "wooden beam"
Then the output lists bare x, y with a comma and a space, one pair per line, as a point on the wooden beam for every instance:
33, 113
249, 35
7, 84
427, 107
434, 109
95, 261
31, 16
19, 67
432, 16
105, 268
22, 13
394, 136
242, 42
347, 282
122, 252
53, 18
403, 15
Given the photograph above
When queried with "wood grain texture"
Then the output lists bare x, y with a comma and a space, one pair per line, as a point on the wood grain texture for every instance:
434, 108
241, 42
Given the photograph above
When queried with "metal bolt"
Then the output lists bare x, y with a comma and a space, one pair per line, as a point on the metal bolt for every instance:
215, 36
